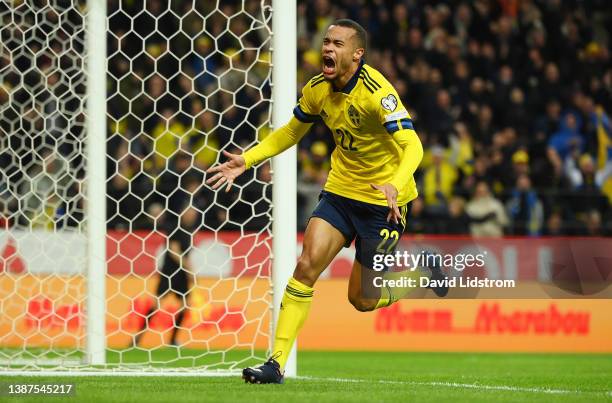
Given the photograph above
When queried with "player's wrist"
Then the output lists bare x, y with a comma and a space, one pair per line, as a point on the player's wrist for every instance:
246, 160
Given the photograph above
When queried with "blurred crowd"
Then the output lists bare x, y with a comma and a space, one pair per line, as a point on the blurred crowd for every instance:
182, 88
511, 99
185, 80
42, 103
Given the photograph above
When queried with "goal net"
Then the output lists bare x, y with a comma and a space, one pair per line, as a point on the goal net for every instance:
182, 80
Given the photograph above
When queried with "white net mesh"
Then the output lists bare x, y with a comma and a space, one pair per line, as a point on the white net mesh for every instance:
185, 79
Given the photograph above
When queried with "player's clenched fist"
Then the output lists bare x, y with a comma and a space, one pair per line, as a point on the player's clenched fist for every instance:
226, 172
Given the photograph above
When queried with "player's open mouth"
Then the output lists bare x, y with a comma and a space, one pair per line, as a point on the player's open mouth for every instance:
329, 65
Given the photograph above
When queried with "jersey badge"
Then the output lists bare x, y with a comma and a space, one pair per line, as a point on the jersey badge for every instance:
354, 115
389, 102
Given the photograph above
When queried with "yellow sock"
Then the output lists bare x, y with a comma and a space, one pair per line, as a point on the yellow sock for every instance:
293, 313
389, 295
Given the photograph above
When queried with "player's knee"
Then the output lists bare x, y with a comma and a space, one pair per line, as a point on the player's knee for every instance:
361, 304
305, 272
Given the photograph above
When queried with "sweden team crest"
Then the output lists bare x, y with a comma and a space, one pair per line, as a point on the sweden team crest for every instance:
354, 115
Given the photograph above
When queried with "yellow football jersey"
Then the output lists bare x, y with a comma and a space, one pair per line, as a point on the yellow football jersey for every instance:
362, 117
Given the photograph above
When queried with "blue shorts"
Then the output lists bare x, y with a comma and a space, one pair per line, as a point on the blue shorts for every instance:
364, 222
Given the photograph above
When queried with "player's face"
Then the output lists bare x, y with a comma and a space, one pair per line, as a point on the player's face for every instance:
339, 51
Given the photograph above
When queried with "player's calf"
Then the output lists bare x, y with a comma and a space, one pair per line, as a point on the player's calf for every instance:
362, 304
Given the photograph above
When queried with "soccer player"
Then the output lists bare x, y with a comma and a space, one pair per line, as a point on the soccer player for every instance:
369, 186
176, 275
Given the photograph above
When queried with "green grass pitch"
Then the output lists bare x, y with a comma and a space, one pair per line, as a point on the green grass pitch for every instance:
370, 377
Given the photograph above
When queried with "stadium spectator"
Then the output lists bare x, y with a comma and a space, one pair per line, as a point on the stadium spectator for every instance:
420, 222
525, 210
587, 195
515, 112
43, 194
457, 221
479, 173
554, 225
438, 182
202, 139
316, 165
169, 134
565, 141
520, 163
579, 170
462, 148
488, 213
593, 224
441, 118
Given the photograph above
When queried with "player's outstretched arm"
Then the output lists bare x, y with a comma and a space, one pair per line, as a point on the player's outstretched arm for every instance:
277, 142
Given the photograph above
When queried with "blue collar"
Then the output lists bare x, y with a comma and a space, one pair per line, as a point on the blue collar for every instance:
353, 81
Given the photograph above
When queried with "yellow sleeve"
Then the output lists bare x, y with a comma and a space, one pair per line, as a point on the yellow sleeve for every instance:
276, 142
411, 157
396, 120
309, 105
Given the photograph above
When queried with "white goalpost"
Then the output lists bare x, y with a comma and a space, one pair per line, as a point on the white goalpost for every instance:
102, 154
285, 176
96, 185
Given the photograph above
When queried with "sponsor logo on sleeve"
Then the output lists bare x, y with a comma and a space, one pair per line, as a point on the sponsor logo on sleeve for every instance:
396, 116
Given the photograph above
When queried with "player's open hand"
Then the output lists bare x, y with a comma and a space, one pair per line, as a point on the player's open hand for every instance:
390, 193
226, 172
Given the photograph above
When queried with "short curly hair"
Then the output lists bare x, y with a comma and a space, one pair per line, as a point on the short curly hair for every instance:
360, 32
